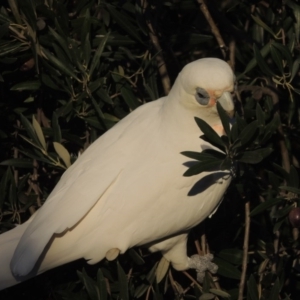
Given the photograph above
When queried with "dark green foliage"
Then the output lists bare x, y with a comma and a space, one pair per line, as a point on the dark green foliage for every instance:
70, 70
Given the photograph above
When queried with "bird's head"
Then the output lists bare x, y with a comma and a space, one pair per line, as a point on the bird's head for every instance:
203, 83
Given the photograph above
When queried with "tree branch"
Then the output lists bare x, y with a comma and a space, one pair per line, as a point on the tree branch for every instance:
162, 69
213, 26
245, 250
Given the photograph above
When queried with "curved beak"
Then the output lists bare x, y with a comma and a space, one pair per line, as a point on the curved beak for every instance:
227, 103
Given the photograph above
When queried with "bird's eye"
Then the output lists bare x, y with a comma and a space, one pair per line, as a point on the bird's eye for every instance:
202, 96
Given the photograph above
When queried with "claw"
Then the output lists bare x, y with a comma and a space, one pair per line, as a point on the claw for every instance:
202, 264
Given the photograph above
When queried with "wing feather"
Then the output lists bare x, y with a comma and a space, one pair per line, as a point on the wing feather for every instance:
81, 186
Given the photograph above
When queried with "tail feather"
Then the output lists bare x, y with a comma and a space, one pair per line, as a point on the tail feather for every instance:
8, 243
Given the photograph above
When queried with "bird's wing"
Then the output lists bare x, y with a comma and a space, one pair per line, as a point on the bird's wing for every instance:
81, 186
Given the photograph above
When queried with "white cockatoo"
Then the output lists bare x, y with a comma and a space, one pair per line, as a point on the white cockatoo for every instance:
128, 188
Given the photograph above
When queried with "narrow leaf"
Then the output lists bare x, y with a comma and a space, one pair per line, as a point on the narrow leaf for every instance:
17, 162
252, 289
208, 165
290, 189
39, 132
253, 62
96, 58
129, 97
224, 119
263, 25
62, 153
123, 283
255, 156
248, 132
59, 64
30, 131
26, 86
203, 156
219, 293
124, 21
261, 62
265, 205
90, 285
162, 269
102, 285
210, 134
56, 128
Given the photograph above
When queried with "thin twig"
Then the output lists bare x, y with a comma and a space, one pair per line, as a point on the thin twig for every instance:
213, 26
245, 250
276, 246
162, 69
232, 54
192, 279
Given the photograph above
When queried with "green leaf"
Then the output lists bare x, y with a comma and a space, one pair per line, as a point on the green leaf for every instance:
293, 177
162, 269
278, 60
248, 133
208, 165
30, 131
15, 10
4, 185
290, 189
285, 52
90, 285
252, 292
224, 118
18, 162
125, 23
207, 296
103, 95
274, 293
219, 293
26, 86
262, 62
39, 132
234, 256
263, 25
96, 58
101, 283
255, 156
56, 128
61, 40
136, 257
98, 110
129, 97
265, 205
62, 153
210, 134
295, 68
260, 116
123, 283
59, 64
253, 62
226, 269
148, 281
203, 156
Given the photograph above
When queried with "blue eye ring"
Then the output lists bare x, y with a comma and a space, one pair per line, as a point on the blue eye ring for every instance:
202, 96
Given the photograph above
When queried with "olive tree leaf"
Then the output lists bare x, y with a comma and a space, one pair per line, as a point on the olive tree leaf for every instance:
62, 153
39, 132
211, 136
162, 269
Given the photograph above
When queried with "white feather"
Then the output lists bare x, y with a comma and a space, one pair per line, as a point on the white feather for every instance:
127, 188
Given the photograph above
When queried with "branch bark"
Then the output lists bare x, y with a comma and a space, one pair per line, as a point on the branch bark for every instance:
213, 26
245, 250
162, 68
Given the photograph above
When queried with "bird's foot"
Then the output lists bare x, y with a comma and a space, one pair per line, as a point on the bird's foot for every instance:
201, 264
